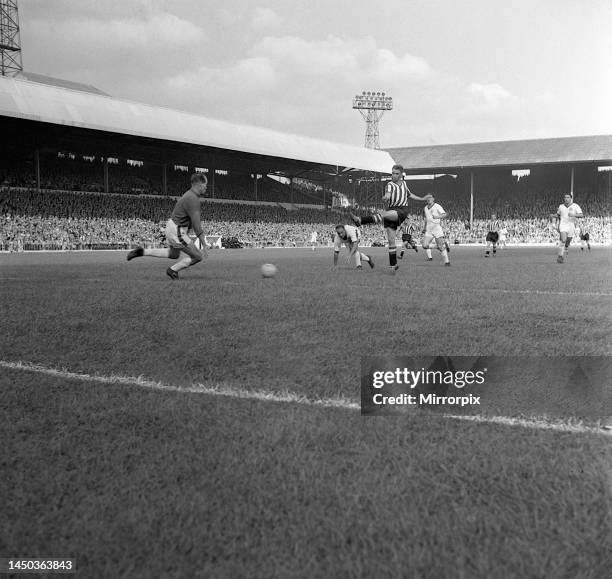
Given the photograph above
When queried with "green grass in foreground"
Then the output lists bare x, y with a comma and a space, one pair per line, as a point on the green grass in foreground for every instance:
138, 483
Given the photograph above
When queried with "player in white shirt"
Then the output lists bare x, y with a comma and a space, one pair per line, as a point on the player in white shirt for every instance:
567, 214
433, 230
349, 235
503, 235
313, 240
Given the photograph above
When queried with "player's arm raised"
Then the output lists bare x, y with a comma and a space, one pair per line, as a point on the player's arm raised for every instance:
415, 197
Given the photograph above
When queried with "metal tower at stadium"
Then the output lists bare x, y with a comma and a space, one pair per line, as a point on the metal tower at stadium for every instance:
10, 44
372, 106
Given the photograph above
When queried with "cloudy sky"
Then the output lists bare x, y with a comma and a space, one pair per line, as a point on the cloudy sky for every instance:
458, 71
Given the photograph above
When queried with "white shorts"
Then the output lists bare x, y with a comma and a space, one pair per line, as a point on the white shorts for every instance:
177, 236
570, 230
434, 231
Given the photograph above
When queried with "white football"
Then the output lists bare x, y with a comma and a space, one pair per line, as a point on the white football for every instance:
268, 270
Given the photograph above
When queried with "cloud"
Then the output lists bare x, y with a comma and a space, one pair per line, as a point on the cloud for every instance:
246, 79
157, 29
492, 95
341, 58
265, 18
297, 85
291, 83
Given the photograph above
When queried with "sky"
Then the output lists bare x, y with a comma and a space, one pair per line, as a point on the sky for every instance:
458, 71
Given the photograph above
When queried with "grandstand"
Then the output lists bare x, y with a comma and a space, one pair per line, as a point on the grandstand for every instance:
43, 119
265, 188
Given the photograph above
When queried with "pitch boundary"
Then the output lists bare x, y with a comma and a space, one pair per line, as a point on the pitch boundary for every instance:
287, 397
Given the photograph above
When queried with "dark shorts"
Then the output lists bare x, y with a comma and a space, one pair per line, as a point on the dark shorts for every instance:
402, 214
407, 237
585, 237
492, 236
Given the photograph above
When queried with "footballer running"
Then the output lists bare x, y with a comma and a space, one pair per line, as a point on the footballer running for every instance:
408, 230
433, 229
567, 214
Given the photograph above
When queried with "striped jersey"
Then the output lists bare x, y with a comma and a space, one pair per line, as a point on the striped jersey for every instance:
409, 227
397, 194
494, 225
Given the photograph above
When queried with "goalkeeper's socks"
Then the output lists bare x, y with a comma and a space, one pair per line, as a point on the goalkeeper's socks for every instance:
428, 251
487, 253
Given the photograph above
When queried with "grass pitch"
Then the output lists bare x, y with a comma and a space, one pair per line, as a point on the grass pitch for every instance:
139, 483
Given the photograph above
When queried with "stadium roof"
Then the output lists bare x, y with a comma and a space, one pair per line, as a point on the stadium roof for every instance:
515, 154
43, 79
68, 108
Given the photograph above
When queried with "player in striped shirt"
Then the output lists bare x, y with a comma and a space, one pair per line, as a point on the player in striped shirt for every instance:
585, 238
396, 197
408, 229
492, 235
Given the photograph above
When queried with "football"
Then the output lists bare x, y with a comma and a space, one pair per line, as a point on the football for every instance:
268, 270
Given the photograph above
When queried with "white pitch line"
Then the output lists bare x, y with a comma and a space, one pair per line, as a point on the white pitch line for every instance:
496, 290
536, 292
287, 397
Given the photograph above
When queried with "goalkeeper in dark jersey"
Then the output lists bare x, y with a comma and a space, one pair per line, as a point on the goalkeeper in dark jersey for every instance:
408, 230
185, 216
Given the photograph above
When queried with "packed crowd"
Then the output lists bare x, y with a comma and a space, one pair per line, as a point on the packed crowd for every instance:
32, 219
76, 173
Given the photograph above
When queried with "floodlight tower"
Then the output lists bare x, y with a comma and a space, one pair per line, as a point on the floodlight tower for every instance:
372, 106
10, 43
